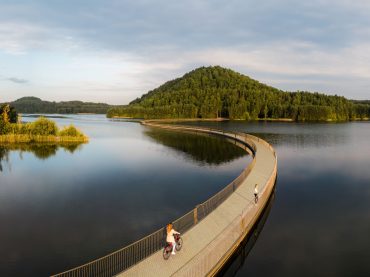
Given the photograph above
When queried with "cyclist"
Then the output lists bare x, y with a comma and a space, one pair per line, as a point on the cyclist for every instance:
170, 238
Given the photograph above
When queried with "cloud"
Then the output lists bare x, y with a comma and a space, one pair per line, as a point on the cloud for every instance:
317, 45
17, 80
19, 37
141, 26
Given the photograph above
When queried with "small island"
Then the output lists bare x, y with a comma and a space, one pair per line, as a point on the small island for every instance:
12, 130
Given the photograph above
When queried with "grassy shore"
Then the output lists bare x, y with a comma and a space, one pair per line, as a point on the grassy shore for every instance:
42, 130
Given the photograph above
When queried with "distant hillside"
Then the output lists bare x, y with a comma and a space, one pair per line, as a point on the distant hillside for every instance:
363, 102
210, 92
36, 105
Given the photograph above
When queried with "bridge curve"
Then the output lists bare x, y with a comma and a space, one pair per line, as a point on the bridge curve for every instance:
212, 231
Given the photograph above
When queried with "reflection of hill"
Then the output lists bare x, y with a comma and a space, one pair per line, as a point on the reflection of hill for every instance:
199, 147
42, 151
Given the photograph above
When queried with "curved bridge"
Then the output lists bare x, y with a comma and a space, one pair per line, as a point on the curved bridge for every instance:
212, 231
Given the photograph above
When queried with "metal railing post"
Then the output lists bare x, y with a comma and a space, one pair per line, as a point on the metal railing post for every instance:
196, 215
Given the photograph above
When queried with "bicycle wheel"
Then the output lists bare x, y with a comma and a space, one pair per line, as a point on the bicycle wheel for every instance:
166, 253
179, 244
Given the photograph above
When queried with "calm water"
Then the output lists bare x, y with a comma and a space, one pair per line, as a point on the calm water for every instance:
319, 223
61, 206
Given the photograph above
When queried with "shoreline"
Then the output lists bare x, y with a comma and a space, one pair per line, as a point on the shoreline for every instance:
221, 119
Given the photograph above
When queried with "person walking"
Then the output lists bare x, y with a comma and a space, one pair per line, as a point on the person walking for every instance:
256, 193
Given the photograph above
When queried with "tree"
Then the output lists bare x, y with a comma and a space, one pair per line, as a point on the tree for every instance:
8, 114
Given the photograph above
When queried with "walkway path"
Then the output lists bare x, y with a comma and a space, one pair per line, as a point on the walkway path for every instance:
208, 245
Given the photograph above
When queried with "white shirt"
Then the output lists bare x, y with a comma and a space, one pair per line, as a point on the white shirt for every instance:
170, 237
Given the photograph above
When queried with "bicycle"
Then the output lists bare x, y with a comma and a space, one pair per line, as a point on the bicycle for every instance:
168, 248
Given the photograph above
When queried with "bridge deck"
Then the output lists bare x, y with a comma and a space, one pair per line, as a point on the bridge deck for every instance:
216, 236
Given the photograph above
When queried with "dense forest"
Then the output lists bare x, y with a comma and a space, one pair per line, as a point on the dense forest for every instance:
36, 105
210, 92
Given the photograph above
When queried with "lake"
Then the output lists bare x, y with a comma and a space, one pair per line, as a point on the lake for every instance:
64, 205
319, 222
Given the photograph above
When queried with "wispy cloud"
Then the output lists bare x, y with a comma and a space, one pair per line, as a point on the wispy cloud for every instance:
17, 80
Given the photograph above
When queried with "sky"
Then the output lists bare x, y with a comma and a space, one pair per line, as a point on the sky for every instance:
114, 51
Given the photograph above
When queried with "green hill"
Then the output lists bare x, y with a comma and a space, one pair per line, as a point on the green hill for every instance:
210, 92
36, 105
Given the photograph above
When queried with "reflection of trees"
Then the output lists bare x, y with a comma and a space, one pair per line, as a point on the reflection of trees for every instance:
4, 155
200, 147
42, 151
70, 147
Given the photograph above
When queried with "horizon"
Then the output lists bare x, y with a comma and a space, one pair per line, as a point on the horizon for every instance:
114, 52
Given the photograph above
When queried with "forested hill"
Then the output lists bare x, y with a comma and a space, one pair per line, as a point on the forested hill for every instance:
210, 92
36, 105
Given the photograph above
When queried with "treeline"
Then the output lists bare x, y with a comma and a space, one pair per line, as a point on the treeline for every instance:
36, 105
210, 92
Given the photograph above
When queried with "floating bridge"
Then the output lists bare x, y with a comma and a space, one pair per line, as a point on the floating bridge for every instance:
211, 231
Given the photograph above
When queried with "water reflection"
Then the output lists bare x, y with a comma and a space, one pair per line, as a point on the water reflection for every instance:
41, 151
202, 148
4, 155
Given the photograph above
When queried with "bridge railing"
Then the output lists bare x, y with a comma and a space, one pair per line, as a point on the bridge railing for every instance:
132, 254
